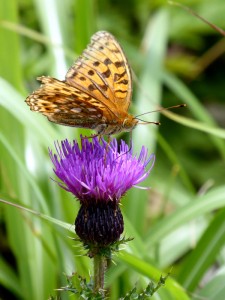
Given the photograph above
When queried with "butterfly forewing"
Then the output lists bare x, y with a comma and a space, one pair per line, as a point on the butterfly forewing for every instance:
103, 71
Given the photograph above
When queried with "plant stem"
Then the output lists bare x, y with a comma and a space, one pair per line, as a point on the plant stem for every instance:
99, 272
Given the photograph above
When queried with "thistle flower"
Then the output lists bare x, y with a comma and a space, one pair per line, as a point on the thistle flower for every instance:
99, 174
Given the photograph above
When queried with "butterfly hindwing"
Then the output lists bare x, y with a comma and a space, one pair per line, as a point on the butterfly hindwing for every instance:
64, 104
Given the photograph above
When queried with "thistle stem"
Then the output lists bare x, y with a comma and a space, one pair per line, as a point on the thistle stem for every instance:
99, 272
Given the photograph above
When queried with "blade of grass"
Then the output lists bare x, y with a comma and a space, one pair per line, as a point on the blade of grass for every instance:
40, 215
10, 48
204, 254
171, 154
175, 85
150, 79
9, 279
204, 127
84, 10
36, 36
150, 271
27, 175
39, 127
199, 206
49, 12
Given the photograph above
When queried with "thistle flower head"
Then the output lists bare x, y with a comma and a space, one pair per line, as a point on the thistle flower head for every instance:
99, 174
99, 171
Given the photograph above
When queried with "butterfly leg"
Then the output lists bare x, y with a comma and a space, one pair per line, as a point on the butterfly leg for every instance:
91, 136
131, 143
108, 142
100, 137
106, 148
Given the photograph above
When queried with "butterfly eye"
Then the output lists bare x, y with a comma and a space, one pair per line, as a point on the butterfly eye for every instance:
125, 123
129, 123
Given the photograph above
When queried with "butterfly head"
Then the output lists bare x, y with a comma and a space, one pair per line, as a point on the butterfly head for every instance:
129, 123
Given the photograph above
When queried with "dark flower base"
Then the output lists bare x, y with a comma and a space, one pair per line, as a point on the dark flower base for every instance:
99, 224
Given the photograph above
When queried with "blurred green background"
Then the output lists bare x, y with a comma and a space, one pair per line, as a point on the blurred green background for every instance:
178, 225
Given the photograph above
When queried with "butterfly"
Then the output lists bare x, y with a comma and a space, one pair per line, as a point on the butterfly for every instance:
96, 92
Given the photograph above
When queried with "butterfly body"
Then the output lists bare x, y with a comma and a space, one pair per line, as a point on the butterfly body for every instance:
128, 124
96, 92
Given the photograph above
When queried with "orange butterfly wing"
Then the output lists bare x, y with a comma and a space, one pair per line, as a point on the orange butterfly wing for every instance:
103, 72
97, 89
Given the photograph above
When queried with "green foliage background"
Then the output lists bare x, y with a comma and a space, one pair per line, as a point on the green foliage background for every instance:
178, 225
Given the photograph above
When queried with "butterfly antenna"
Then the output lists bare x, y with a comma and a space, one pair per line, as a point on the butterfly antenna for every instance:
158, 110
